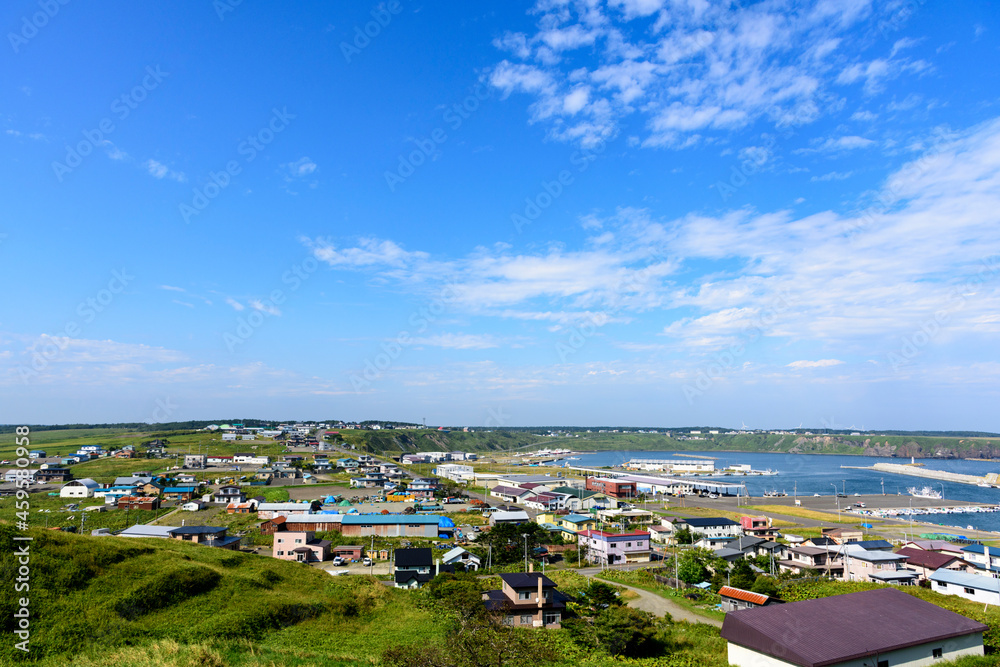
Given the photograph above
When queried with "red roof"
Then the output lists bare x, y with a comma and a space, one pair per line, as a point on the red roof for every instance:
740, 594
929, 559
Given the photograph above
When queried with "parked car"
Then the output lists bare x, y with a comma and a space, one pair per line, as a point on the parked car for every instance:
338, 560
367, 562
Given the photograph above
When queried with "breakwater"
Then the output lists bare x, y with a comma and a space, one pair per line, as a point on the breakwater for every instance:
914, 471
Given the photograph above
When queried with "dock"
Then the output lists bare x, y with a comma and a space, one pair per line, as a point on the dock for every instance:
942, 475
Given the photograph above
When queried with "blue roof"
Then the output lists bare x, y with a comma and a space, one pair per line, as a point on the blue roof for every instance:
577, 518
180, 489
873, 544
390, 519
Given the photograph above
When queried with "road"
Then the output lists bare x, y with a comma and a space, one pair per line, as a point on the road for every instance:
651, 602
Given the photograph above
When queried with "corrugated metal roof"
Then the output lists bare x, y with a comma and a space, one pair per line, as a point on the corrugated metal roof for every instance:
928, 559
386, 519
964, 579
746, 596
826, 631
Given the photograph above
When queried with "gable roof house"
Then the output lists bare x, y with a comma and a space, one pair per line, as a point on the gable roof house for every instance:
527, 600
882, 628
300, 546
926, 563
713, 531
734, 599
412, 568
973, 587
458, 555
883, 567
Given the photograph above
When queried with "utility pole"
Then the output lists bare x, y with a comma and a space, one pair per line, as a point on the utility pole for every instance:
525, 536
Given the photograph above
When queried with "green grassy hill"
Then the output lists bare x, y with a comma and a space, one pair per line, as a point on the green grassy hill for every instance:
122, 602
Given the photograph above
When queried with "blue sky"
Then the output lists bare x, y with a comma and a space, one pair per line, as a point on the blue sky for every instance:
635, 212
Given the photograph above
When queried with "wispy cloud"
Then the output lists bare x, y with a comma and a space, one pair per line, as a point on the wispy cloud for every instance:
820, 363
160, 171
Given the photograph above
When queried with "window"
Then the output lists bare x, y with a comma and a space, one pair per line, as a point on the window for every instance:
281, 553
551, 618
941, 584
937, 653
628, 544
298, 541
523, 595
527, 619
508, 620
970, 591
883, 663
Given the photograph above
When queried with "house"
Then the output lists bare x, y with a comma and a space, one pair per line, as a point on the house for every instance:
758, 526
843, 535
841, 631
271, 510
713, 531
634, 517
985, 560
390, 525
79, 488
582, 499
414, 567
53, 475
935, 545
822, 560
350, 552
883, 567
249, 507
516, 516
179, 492
966, 585
37, 454
576, 522
15, 474
300, 522
139, 503
220, 460
615, 488
510, 494
422, 487
125, 454
459, 556
228, 493
874, 545
527, 600
141, 530
213, 536
734, 599
611, 548
300, 546
546, 502
193, 506
185, 479
195, 460
926, 563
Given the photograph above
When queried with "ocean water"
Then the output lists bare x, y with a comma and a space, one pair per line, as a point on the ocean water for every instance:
806, 474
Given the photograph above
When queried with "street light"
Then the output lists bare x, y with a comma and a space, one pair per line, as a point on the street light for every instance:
525, 536
838, 499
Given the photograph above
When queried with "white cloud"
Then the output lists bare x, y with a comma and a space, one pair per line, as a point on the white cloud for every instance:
160, 171
264, 307
301, 167
833, 176
820, 363
700, 66
234, 303
457, 341
172, 288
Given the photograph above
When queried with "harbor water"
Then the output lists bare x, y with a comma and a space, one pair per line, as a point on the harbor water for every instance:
809, 474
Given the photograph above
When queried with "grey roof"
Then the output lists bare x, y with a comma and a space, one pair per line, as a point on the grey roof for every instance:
728, 553
517, 515
423, 557
278, 507
198, 530
831, 630
854, 551
132, 481
455, 553
745, 542
86, 481
873, 544
964, 579
706, 522
140, 530
527, 580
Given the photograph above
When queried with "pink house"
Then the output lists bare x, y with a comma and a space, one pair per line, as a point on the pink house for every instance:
300, 546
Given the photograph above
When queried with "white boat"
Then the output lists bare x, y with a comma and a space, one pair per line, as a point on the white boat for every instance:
926, 492
985, 485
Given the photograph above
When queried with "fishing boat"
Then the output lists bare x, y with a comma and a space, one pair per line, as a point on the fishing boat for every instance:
926, 492
985, 485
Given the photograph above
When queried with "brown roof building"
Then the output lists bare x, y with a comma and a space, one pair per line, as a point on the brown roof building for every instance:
882, 627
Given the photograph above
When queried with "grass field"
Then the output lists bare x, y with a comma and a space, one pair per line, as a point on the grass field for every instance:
826, 517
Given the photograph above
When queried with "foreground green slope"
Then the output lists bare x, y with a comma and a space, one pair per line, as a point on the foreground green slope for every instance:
118, 601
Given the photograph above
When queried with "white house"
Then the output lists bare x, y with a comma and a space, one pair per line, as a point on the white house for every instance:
883, 627
973, 587
458, 555
228, 437
79, 488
